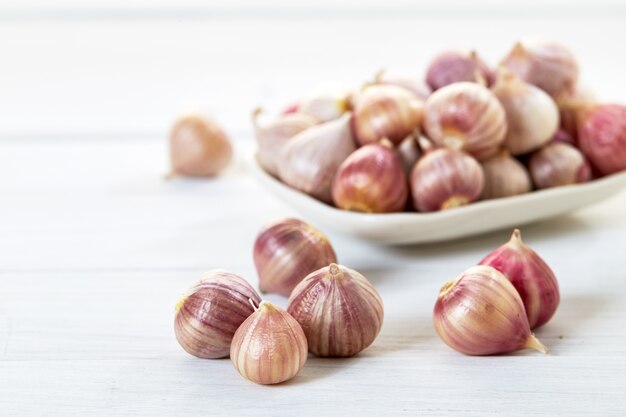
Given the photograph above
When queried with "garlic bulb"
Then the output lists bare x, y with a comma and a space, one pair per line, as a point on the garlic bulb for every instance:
339, 310
386, 111
530, 275
286, 251
602, 136
272, 137
481, 313
532, 116
414, 84
198, 147
466, 116
208, 316
445, 178
325, 107
372, 180
548, 65
409, 153
269, 347
454, 66
558, 164
310, 159
504, 177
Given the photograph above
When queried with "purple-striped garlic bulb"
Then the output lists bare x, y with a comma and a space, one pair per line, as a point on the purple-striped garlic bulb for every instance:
466, 116
505, 176
371, 180
269, 347
385, 111
530, 275
286, 251
602, 136
481, 313
558, 164
339, 310
455, 66
208, 316
414, 84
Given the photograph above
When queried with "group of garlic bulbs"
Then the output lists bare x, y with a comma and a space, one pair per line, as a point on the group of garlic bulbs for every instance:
465, 133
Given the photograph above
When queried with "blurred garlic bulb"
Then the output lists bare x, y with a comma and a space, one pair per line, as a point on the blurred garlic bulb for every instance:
309, 160
372, 180
532, 116
454, 66
272, 137
466, 116
198, 147
563, 136
385, 111
286, 251
414, 84
546, 64
409, 152
558, 164
325, 107
504, 177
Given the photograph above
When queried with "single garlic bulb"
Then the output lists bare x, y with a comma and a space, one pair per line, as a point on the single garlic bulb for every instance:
532, 116
198, 147
454, 66
310, 159
414, 84
386, 111
372, 180
466, 116
339, 310
269, 347
481, 313
208, 316
504, 177
558, 164
530, 275
286, 251
548, 65
272, 137
602, 136
326, 106
446, 178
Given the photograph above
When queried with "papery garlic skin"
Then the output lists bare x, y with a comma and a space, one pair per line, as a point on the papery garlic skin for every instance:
466, 116
481, 313
269, 347
386, 111
504, 177
558, 164
602, 136
198, 146
446, 178
371, 180
455, 66
286, 251
532, 116
339, 310
309, 160
325, 107
272, 137
414, 84
530, 275
213, 309
546, 64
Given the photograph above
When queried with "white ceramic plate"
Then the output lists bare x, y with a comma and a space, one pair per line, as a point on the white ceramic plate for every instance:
479, 217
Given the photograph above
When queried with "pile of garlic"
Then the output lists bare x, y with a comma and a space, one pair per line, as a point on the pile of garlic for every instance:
463, 134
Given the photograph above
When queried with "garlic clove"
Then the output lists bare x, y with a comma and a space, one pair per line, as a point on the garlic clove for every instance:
272, 137
414, 84
466, 116
546, 64
286, 251
213, 309
309, 160
325, 107
532, 116
454, 66
504, 177
386, 111
198, 147
269, 347
530, 275
371, 180
445, 178
481, 313
339, 310
558, 164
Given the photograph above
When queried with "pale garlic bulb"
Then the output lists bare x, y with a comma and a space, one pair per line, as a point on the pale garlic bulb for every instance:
504, 177
558, 164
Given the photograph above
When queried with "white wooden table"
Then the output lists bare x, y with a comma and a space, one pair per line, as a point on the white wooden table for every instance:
95, 248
